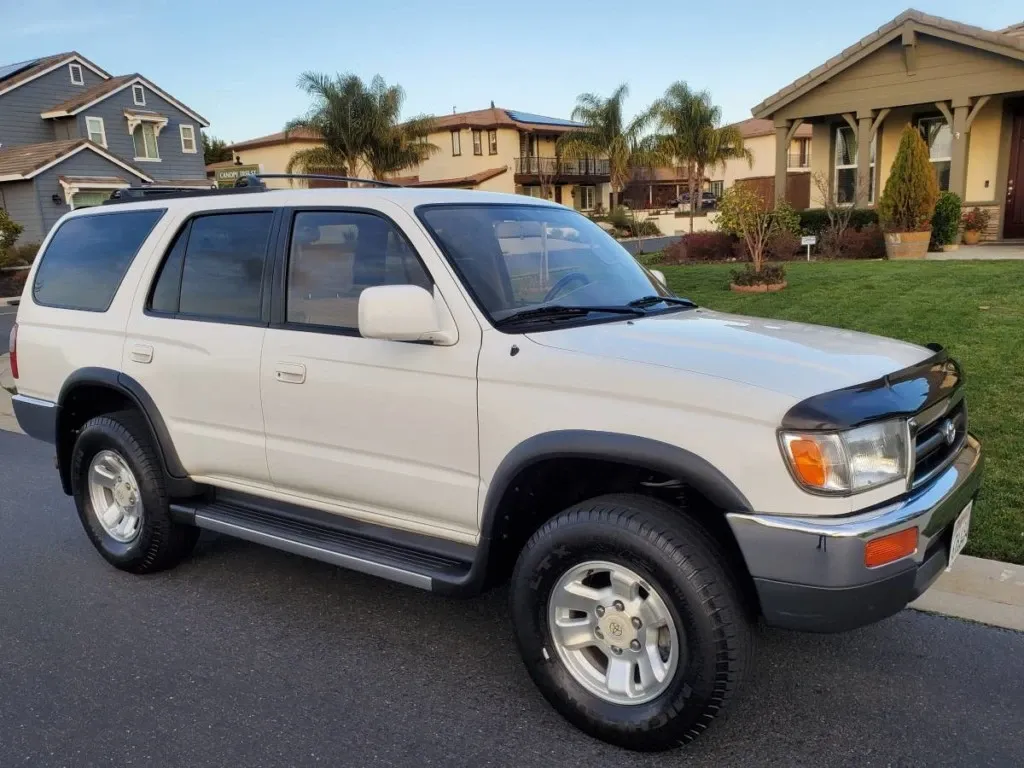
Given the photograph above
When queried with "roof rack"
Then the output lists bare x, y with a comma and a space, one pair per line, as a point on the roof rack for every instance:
251, 183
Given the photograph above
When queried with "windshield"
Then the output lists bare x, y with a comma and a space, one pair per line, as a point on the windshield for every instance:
521, 257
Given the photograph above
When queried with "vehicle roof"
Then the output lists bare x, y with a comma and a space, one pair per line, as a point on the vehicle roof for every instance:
403, 197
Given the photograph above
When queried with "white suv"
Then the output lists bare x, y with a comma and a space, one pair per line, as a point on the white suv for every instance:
453, 388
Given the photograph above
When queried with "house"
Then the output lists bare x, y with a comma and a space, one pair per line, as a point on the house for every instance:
492, 149
961, 85
759, 139
71, 133
267, 154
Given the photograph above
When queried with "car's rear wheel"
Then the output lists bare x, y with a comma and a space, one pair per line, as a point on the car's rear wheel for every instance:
630, 622
119, 491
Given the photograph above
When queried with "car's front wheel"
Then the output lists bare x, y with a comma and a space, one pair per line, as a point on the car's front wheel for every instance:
630, 622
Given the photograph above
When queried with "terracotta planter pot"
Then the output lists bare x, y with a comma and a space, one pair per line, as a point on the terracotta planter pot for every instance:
763, 288
907, 245
971, 236
946, 248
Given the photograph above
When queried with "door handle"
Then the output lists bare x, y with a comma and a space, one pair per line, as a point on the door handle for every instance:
290, 373
142, 353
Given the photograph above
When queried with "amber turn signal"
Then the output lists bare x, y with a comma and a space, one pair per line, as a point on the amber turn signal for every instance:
888, 549
808, 462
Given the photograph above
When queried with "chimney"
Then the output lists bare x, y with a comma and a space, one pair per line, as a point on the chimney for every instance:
492, 103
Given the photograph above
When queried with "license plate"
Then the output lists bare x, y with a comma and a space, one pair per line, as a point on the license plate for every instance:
960, 528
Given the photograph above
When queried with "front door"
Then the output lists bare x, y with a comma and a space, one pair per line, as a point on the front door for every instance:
383, 431
1014, 219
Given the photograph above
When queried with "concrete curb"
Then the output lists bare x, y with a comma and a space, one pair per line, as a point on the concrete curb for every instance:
10, 301
7, 421
986, 591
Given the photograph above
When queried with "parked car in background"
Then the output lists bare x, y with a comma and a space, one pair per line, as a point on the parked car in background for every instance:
708, 200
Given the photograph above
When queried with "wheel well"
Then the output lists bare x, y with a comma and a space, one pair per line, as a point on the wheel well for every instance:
542, 490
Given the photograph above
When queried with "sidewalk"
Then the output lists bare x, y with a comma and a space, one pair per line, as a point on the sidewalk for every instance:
7, 421
986, 591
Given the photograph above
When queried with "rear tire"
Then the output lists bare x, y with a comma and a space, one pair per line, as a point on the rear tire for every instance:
676, 566
118, 486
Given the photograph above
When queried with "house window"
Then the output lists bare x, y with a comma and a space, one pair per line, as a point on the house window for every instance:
478, 145
97, 133
144, 137
846, 167
533, 191
492, 142
456, 144
936, 133
588, 198
188, 139
76, 74
717, 188
139, 95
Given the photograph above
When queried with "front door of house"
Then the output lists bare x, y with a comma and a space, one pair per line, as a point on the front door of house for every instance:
1014, 220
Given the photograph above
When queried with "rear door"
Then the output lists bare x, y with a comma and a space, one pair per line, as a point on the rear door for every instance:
195, 338
379, 430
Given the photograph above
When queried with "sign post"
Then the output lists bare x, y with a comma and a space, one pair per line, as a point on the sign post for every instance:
808, 240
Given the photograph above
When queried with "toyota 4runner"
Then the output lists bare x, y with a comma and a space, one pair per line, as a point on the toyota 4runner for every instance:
451, 389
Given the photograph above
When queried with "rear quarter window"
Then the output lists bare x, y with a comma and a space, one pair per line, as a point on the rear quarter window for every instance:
87, 258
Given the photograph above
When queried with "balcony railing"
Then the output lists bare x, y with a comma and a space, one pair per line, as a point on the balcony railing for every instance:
556, 166
798, 160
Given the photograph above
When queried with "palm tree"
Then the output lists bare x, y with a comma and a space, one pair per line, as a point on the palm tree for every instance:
606, 133
689, 131
359, 126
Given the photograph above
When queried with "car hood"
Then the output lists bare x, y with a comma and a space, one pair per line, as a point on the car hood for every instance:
794, 359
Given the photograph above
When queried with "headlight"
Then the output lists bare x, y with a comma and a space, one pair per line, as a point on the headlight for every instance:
850, 461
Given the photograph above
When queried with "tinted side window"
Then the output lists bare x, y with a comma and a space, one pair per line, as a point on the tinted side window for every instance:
87, 258
168, 283
335, 255
222, 276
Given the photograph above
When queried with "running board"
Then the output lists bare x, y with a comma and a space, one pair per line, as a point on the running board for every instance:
374, 550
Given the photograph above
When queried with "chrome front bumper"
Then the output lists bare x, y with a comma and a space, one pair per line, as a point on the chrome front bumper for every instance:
810, 572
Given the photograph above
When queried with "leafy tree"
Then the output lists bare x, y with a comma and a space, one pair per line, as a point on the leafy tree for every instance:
215, 150
608, 134
745, 214
360, 128
908, 202
689, 131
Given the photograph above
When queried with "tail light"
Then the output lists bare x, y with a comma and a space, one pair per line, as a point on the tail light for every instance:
13, 346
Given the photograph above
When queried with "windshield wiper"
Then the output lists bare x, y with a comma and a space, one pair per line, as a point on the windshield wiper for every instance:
556, 311
649, 301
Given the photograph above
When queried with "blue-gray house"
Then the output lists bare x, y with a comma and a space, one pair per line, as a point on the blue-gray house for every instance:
70, 134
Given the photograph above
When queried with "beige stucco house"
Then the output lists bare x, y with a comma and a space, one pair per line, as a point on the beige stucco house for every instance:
271, 153
963, 86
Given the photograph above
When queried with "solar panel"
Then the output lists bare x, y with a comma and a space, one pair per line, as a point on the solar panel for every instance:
527, 117
7, 70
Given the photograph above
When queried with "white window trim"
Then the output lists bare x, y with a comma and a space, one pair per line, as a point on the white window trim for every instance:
102, 129
138, 90
156, 134
845, 167
72, 188
933, 160
191, 130
71, 71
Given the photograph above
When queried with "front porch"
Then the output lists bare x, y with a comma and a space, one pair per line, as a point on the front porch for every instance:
962, 86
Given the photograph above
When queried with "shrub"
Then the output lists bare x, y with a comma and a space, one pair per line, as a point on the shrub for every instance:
783, 245
743, 212
787, 218
946, 220
865, 243
976, 220
908, 202
700, 246
10, 231
814, 221
19, 255
769, 274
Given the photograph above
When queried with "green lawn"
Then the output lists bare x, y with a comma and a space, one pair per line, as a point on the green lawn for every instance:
974, 309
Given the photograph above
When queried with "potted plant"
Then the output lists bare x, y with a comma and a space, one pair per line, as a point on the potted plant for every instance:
744, 213
975, 222
946, 222
908, 202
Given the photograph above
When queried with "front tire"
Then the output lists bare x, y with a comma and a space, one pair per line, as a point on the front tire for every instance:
629, 621
119, 491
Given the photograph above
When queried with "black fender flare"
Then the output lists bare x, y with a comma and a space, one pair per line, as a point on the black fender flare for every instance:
122, 383
638, 451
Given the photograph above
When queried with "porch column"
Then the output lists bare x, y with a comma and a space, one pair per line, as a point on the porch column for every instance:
960, 121
782, 136
864, 136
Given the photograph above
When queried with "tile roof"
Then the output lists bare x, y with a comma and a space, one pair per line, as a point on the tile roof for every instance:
778, 98
281, 137
496, 117
754, 127
91, 94
24, 160
475, 178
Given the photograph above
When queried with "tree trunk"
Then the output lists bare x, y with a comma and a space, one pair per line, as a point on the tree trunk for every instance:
700, 188
689, 187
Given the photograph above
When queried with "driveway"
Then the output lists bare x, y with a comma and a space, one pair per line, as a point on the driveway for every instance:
247, 656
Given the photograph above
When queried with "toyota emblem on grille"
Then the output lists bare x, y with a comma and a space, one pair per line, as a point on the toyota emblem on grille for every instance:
949, 431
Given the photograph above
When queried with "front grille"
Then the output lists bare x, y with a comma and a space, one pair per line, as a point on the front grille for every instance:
933, 450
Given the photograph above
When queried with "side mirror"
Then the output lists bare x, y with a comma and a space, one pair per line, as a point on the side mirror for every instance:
660, 276
399, 313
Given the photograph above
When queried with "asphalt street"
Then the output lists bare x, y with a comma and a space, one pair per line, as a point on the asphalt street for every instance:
7, 315
244, 656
